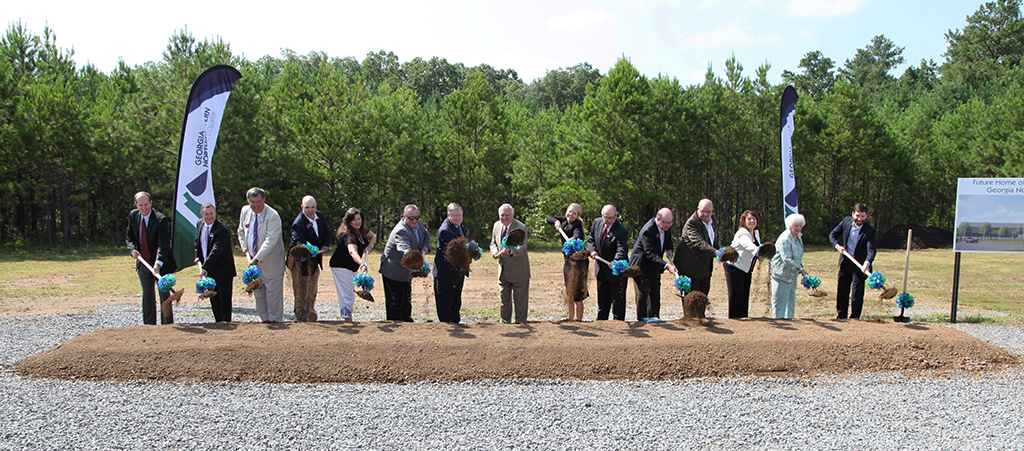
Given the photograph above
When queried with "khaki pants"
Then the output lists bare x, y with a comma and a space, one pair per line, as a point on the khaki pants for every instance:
304, 288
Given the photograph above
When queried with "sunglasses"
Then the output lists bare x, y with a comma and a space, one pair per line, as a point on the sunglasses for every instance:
413, 218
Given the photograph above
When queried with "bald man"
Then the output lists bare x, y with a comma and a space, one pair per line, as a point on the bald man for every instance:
309, 226
695, 256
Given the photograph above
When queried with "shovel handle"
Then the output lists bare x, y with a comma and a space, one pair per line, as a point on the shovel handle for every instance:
854, 260
559, 229
148, 266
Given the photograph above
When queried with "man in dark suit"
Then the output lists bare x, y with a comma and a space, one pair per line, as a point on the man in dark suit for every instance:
654, 240
149, 235
609, 240
449, 279
695, 256
308, 227
857, 237
215, 260
409, 234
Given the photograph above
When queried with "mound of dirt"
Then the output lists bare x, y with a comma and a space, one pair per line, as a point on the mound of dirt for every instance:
328, 352
924, 237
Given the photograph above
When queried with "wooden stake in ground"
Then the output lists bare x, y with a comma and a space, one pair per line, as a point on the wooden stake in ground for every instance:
906, 272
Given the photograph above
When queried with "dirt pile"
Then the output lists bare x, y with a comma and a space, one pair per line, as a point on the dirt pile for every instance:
328, 352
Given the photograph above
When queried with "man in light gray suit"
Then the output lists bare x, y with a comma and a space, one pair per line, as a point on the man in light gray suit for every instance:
259, 236
409, 234
513, 267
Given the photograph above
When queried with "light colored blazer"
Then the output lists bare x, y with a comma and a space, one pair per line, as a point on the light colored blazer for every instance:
271, 246
513, 268
789, 257
402, 239
746, 247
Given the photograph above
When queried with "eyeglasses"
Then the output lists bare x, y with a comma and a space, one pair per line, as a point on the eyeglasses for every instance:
413, 218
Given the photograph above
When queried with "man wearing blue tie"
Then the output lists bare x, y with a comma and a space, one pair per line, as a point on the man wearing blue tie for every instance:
448, 278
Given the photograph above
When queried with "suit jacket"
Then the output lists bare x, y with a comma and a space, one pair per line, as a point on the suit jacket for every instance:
158, 238
695, 256
865, 250
614, 247
746, 246
573, 229
513, 268
302, 233
270, 250
445, 234
649, 248
220, 263
402, 239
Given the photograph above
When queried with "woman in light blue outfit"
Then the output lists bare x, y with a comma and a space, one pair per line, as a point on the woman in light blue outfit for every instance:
787, 265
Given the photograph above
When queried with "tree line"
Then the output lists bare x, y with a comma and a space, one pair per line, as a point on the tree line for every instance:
376, 134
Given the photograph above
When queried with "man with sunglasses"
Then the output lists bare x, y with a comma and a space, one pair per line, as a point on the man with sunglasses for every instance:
409, 234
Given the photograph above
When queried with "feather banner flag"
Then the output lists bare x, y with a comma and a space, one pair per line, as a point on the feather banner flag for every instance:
788, 110
194, 186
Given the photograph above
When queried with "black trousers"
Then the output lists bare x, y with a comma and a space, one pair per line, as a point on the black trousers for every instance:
398, 300
611, 298
149, 305
701, 285
857, 280
448, 298
647, 288
220, 304
738, 284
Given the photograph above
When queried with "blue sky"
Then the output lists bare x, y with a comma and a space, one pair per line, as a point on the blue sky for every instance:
992, 208
677, 38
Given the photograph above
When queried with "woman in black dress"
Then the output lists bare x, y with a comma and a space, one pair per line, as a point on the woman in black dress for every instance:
573, 228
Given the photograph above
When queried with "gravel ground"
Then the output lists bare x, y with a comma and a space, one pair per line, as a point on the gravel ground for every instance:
866, 411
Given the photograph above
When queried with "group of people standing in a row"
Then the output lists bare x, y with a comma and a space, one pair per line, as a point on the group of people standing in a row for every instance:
259, 236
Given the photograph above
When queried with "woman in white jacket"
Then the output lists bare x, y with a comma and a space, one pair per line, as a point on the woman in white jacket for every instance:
738, 273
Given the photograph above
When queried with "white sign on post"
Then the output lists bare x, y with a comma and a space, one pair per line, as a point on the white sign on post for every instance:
989, 215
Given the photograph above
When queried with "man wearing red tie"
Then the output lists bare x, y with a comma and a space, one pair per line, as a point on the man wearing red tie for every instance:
513, 268
149, 236
608, 240
654, 241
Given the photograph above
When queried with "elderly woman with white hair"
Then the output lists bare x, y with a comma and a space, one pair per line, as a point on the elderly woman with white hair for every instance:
787, 265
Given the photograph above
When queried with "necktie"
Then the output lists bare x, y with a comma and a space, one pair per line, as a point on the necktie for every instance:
504, 231
255, 235
206, 242
144, 239
604, 234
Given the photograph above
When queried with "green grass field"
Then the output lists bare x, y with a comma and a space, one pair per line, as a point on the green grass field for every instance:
991, 288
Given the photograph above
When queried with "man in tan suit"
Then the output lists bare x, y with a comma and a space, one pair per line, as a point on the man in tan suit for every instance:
259, 236
513, 268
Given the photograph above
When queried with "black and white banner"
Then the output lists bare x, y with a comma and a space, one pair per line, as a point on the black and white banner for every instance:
194, 186
788, 110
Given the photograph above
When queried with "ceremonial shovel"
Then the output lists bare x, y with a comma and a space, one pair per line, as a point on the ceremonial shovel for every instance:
629, 272
888, 293
175, 296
